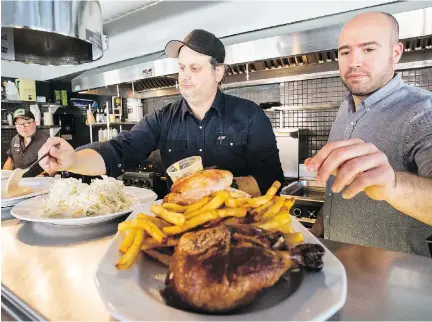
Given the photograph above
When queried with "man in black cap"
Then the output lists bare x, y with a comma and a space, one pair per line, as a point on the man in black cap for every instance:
225, 131
25, 145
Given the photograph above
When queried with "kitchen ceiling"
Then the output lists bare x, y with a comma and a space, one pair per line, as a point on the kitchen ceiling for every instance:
113, 10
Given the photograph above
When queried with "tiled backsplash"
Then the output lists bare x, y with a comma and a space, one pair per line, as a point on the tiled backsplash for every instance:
314, 124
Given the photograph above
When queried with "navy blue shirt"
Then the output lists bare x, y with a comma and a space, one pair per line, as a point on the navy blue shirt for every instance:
235, 135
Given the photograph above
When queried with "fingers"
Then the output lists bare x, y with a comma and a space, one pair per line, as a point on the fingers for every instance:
375, 177
341, 155
50, 163
315, 163
354, 167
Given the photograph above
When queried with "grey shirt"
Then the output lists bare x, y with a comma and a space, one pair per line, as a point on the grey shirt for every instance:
397, 119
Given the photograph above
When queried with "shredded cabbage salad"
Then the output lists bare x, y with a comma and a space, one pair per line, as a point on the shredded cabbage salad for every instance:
71, 197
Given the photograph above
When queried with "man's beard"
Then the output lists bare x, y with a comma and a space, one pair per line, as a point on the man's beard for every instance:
361, 89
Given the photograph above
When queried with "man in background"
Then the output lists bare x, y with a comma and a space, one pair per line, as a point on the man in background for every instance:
25, 145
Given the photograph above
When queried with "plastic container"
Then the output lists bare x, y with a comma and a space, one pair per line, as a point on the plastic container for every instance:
184, 167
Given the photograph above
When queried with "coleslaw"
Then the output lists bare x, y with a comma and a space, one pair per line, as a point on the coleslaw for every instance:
71, 197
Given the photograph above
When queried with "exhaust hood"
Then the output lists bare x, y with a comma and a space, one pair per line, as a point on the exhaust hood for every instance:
51, 32
273, 59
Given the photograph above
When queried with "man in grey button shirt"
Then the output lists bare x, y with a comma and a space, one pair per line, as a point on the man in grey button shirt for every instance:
378, 162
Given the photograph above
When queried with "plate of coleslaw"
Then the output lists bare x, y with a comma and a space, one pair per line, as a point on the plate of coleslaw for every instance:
73, 203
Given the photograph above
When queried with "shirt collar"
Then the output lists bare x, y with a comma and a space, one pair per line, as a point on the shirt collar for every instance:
216, 105
392, 86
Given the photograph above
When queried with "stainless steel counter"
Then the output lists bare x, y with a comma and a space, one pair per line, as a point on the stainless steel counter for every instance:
47, 273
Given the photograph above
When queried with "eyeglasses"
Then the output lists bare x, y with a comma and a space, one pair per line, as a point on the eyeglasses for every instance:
24, 124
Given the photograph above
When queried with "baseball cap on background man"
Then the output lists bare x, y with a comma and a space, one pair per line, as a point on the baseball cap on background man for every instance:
202, 42
23, 113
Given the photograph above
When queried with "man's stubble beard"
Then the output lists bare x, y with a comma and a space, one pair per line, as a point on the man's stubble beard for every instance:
367, 89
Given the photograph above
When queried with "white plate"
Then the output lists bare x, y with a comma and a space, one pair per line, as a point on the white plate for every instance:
5, 174
39, 185
25, 210
133, 294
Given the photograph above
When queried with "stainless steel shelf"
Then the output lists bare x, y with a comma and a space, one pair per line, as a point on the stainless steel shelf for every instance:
18, 102
11, 127
114, 123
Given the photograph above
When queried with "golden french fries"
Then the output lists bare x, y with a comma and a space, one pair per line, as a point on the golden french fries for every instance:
169, 216
157, 221
274, 209
294, 238
197, 205
192, 223
285, 229
129, 257
151, 243
213, 204
258, 201
127, 242
232, 212
174, 207
262, 209
270, 212
289, 202
235, 203
273, 189
280, 219
151, 229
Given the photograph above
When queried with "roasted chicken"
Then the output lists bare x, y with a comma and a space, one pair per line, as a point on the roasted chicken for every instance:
223, 268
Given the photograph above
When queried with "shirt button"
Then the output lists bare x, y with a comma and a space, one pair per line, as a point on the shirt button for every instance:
119, 165
330, 194
367, 109
200, 127
327, 217
231, 144
169, 150
200, 150
122, 170
352, 123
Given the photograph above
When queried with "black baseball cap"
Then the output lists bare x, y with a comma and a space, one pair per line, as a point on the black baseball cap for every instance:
201, 41
23, 113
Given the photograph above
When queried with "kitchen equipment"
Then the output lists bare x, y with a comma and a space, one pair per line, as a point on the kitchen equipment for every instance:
48, 118
51, 32
287, 141
309, 200
66, 123
11, 91
10, 119
134, 110
26, 88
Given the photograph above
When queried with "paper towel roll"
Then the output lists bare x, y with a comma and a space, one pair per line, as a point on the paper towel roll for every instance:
48, 118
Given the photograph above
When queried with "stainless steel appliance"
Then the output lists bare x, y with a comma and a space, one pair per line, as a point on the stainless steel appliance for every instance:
51, 32
309, 200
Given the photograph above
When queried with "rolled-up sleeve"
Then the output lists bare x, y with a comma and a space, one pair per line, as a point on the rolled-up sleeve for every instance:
129, 148
418, 141
262, 154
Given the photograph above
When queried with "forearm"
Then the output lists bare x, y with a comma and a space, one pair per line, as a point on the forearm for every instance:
413, 196
8, 165
88, 162
318, 227
249, 185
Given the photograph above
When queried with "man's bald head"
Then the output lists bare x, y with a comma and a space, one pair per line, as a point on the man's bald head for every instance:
386, 20
369, 49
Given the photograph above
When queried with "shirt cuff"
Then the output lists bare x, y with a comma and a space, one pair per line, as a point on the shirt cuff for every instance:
114, 165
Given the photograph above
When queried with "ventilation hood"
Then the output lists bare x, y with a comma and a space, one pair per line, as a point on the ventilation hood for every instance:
274, 59
51, 32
